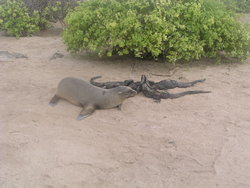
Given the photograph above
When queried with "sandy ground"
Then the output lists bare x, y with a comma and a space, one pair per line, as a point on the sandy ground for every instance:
198, 141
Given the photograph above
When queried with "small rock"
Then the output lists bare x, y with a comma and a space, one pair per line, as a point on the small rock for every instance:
8, 56
57, 55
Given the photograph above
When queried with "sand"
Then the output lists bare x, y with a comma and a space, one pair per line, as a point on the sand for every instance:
198, 141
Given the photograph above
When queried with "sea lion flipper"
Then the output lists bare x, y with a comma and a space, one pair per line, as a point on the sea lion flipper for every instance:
86, 111
54, 100
119, 107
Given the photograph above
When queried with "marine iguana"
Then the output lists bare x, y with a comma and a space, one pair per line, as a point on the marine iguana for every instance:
150, 88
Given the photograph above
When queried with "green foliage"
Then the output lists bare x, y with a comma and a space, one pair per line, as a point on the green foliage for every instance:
58, 9
16, 20
173, 29
222, 32
50, 10
24, 17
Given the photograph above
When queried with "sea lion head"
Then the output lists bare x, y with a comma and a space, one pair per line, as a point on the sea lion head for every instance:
125, 92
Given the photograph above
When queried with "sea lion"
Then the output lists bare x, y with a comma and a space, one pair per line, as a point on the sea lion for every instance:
90, 97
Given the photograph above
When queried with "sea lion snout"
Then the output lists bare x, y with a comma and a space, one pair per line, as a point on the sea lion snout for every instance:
132, 93
126, 92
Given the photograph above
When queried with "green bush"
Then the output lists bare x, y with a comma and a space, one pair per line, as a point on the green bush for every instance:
16, 20
173, 29
24, 17
222, 32
50, 10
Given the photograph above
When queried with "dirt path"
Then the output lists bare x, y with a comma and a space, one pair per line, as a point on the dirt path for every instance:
195, 141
